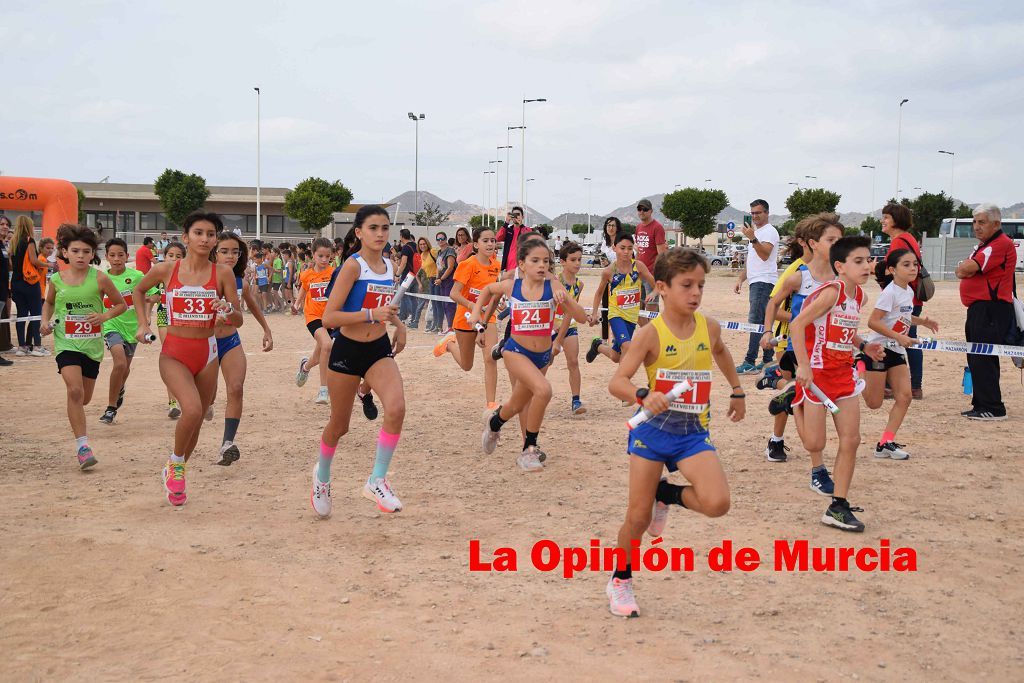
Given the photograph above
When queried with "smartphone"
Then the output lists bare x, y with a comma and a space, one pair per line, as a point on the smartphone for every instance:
748, 219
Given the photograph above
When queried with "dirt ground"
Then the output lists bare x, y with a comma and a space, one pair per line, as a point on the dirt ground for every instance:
103, 580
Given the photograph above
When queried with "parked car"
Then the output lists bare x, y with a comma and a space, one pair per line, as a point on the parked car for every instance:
719, 260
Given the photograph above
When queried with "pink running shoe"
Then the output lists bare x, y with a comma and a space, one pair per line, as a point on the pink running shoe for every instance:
85, 458
174, 482
659, 517
621, 600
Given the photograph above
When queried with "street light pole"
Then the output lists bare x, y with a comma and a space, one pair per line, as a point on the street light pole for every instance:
495, 172
874, 173
589, 184
508, 171
526, 207
811, 177
899, 142
952, 161
416, 183
487, 198
258, 219
522, 143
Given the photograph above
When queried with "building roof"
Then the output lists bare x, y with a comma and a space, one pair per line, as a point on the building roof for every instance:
145, 191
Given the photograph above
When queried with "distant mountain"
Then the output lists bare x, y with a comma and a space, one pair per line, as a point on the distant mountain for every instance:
460, 211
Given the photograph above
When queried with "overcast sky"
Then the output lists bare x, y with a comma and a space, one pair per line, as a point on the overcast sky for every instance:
642, 95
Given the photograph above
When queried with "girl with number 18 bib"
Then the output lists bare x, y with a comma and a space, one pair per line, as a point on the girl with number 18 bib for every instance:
359, 303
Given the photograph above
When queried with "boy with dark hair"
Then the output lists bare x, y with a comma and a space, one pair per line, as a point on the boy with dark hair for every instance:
825, 336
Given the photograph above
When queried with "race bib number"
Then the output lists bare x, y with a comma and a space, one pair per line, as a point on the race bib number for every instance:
901, 326
193, 305
76, 327
378, 296
693, 401
318, 291
842, 328
127, 296
531, 316
473, 295
628, 298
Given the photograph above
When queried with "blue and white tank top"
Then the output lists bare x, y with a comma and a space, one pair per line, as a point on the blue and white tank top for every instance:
238, 286
532, 317
371, 290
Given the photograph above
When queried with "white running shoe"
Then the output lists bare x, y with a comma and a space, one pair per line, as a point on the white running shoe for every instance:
659, 517
529, 461
490, 439
320, 497
891, 449
39, 351
621, 600
302, 375
22, 351
322, 397
379, 491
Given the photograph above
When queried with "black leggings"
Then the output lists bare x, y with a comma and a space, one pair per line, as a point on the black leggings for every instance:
604, 313
29, 301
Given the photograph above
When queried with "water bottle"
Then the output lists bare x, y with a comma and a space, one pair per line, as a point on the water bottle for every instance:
968, 382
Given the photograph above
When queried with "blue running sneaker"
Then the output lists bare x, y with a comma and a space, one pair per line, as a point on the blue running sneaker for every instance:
821, 482
770, 379
746, 368
577, 407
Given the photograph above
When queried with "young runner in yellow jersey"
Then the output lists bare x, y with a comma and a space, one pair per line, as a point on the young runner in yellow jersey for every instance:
678, 345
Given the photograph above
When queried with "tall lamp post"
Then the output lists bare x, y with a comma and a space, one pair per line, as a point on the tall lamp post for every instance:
487, 197
258, 220
416, 182
589, 184
811, 177
508, 171
526, 206
952, 161
522, 146
874, 173
508, 166
899, 143
495, 161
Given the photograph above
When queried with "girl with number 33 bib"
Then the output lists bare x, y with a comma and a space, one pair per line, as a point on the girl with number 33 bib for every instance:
199, 294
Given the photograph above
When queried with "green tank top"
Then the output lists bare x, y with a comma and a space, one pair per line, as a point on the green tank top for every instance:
72, 304
126, 324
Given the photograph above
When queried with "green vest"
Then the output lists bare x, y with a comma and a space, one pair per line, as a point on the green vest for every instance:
126, 324
71, 305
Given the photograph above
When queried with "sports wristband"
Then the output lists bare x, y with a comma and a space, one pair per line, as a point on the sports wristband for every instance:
737, 395
862, 345
369, 315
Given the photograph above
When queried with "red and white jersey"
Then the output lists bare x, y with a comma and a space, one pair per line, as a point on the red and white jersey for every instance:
191, 305
830, 338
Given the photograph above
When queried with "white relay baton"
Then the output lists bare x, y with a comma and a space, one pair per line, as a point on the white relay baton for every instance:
825, 400
644, 415
406, 284
479, 327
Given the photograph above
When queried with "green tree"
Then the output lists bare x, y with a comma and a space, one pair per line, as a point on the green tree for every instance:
180, 194
81, 207
545, 228
479, 220
314, 200
629, 228
696, 210
870, 225
929, 210
962, 211
579, 228
804, 202
431, 215
787, 227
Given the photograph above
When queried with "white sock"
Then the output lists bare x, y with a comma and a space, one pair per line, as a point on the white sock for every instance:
226, 445
177, 458
776, 438
82, 441
323, 388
